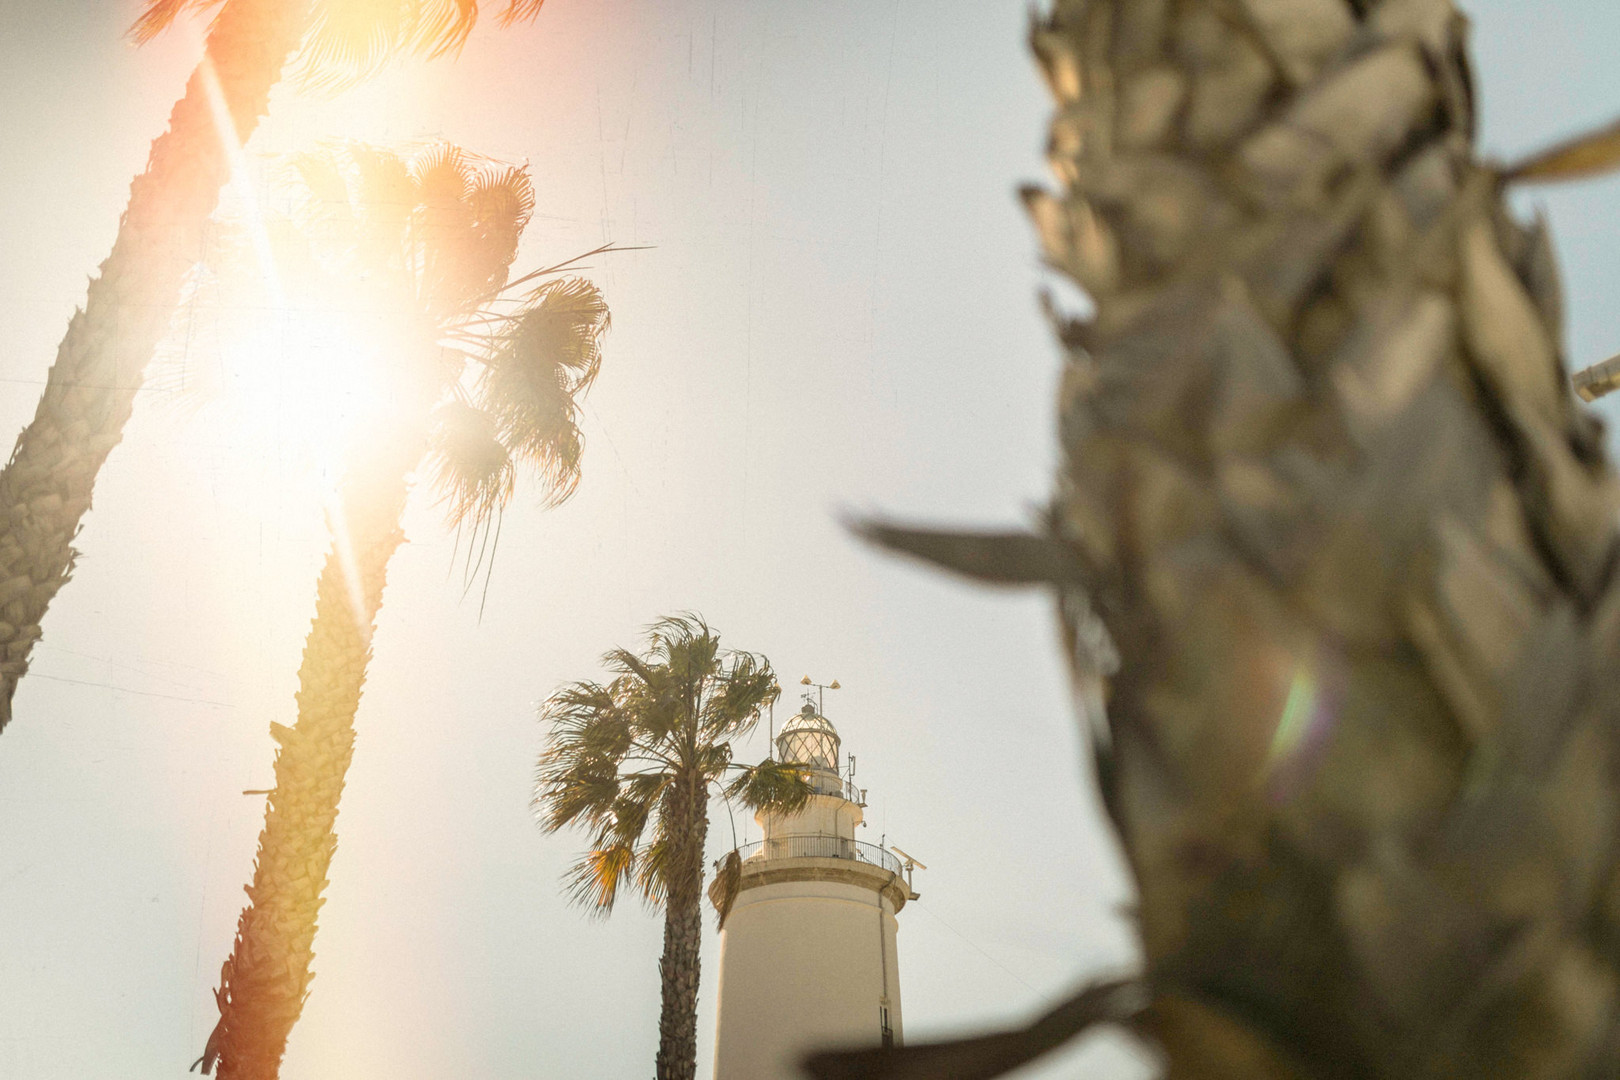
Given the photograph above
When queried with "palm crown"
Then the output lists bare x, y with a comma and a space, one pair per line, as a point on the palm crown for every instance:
626, 760
421, 248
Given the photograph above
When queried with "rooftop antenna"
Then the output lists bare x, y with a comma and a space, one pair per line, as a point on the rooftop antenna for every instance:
770, 725
820, 693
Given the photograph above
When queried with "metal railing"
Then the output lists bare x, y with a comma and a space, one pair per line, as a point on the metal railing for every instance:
821, 847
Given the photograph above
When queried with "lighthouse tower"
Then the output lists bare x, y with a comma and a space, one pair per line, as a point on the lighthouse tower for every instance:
807, 955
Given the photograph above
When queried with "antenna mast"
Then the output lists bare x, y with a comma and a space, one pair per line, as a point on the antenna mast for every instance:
820, 693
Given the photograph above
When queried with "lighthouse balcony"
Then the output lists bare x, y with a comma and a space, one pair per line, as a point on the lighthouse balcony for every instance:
820, 847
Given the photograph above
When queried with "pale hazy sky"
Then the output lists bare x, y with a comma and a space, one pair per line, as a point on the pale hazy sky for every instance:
839, 314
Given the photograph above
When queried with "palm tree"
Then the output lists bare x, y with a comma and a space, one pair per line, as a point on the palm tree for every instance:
634, 762
46, 486
487, 376
1326, 488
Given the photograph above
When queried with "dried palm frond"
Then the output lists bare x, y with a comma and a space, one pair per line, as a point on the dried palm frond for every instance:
726, 885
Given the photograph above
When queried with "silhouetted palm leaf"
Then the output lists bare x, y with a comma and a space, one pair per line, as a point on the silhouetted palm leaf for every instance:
471, 468
541, 359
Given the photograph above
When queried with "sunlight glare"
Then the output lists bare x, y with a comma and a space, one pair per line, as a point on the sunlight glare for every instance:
241, 175
302, 383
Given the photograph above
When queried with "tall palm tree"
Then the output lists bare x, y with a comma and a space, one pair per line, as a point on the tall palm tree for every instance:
634, 762
1326, 488
46, 486
487, 377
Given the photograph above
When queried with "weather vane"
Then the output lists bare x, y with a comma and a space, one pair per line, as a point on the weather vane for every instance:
820, 692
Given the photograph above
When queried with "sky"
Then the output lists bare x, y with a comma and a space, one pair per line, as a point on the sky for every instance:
836, 315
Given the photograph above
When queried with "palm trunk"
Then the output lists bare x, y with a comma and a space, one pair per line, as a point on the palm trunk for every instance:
264, 982
1326, 486
46, 487
679, 967
1353, 538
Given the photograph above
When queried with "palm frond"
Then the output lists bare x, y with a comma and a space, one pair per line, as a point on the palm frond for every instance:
594, 881
542, 358
158, 15
652, 866
457, 262
385, 194
442, 26
776, 786
726, 885
577, 791
748, 687
502, 201
713, 759
442, 174
692, 652
351, 40
638, 802
570, 265
470, 467
658, 710
323, 205
520, 11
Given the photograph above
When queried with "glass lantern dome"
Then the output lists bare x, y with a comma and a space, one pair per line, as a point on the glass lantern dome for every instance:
808, 739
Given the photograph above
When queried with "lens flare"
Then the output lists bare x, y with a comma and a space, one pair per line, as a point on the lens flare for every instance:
241, 176
1305, 726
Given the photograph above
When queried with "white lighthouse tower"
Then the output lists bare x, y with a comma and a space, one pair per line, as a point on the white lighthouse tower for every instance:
807, 955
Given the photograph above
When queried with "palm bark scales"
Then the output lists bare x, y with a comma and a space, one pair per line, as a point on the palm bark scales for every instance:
1353, 539
45, 488
679, 968
1325, 484
265, 980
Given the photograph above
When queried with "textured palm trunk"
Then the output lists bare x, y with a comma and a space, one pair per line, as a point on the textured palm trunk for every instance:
46, 487
267, 976
679, 967
1325, 485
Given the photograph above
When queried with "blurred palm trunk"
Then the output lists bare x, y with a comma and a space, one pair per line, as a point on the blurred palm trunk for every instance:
46, 487
267, 976
1326, 487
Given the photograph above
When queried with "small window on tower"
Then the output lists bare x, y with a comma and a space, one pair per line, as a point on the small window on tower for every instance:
888, 1030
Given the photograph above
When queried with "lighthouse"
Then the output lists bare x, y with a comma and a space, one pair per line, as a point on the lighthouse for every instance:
807, 954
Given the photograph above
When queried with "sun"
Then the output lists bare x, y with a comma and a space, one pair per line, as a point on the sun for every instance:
305, 381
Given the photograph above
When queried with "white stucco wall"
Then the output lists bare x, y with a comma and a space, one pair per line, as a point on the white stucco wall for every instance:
823, 815
803, 965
